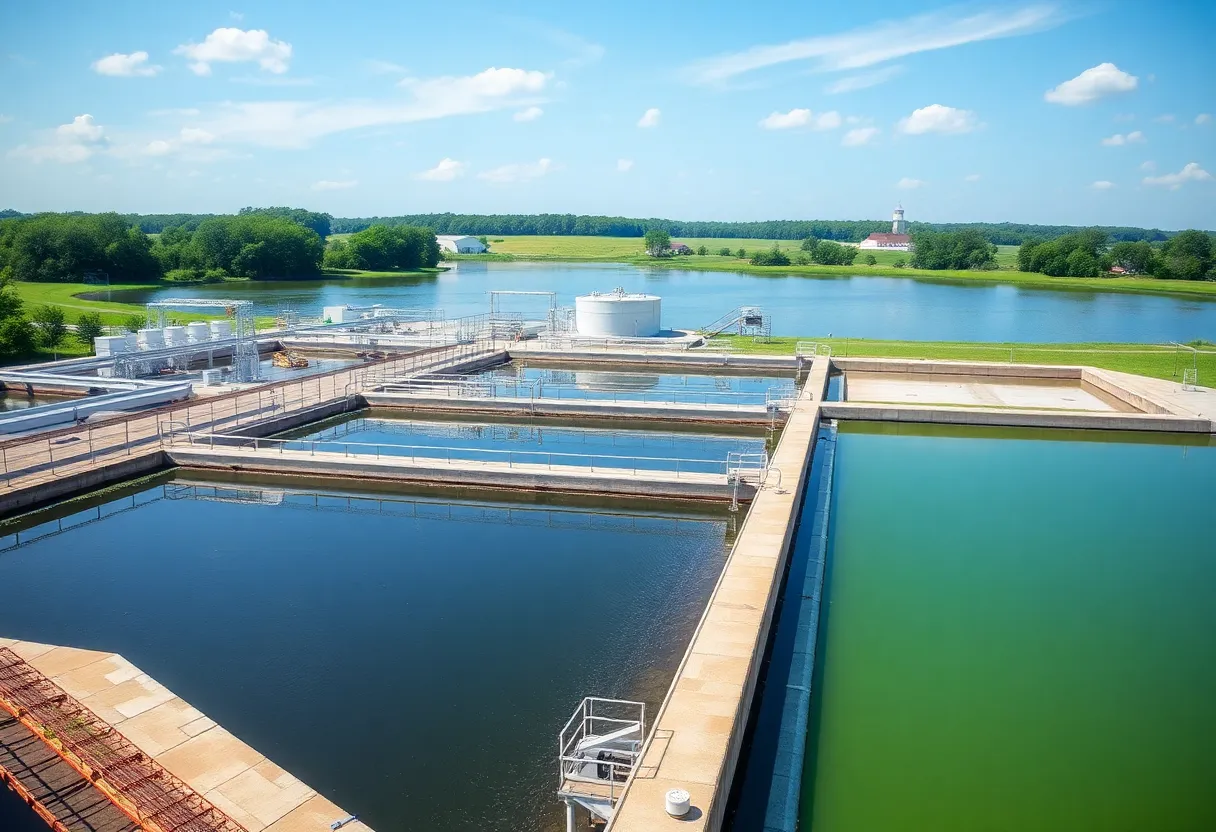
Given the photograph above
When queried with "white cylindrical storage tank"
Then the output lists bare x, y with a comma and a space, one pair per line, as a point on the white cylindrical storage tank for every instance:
132, 342
618, 315
334, 314
152, 339
175, 336
198, 331
221, 329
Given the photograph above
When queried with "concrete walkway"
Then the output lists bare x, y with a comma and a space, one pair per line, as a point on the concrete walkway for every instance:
514, 475
699, 730
235, 778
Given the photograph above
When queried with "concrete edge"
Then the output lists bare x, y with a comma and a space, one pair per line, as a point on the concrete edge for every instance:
1000, 417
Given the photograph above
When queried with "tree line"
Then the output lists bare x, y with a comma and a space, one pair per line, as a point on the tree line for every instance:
1189, 255
263, 244
477, 225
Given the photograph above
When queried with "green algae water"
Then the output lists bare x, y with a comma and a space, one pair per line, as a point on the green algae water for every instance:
1020, 634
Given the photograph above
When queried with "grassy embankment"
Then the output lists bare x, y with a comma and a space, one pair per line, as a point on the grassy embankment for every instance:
1154, 360
630, 250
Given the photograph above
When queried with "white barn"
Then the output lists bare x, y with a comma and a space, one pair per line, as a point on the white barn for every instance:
460, 245
897, 240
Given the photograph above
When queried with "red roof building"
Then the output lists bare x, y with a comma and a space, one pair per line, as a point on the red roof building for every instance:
887, 242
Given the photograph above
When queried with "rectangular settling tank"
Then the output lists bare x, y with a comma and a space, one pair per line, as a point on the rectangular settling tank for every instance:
557, 442
1018, 634
411, 656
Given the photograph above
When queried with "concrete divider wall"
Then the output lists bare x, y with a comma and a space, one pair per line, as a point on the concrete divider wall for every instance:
956, 368
1107, 385
682, 360
299, 418
24, 499
998, 417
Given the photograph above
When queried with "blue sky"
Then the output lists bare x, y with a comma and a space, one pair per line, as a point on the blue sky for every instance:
1101, 113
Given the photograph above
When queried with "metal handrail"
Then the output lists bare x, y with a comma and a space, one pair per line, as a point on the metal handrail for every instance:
682, 465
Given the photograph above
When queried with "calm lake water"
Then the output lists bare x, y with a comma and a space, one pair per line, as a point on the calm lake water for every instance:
411, 657
1018, 635
857, 307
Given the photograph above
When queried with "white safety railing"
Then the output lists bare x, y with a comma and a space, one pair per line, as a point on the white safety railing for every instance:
812, 349
549, 460
600, 745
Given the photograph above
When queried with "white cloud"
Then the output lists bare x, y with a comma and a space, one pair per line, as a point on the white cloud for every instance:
864, 80
445, 171
1165, 118
186, 139
519, 172
529, 114
1150, 165
1189, 173
5, 119
126, 66
800, 117
193, 135
232, 45
937, 118
1119, 139
1203, 118
1124, 117
1102, 185
1092, 84
70, 143
299, 123
908, 184
237, 15
624, 165
873, 44
859, 136
650, 118
82, 128
179, 111
332, 185
159, 147
972, 177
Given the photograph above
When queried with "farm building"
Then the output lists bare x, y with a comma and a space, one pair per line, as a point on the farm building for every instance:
460, 245
897, 240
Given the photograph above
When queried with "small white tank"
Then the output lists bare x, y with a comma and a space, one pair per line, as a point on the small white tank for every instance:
198, 331
175, 336
221, 329
106, 345
152, 339
334, 314
212, 378
618, 314
132, 342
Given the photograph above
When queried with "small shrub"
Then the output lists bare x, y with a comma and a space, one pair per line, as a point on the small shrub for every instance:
725, 252
88, 327
871, 260
899, 264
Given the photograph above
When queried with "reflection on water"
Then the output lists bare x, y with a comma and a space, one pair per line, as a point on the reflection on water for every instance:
13, 400
857, 307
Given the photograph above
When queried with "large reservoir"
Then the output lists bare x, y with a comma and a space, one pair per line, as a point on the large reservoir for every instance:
844, 306
1017, 634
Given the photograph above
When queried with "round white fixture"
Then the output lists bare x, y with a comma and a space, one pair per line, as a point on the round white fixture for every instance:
678, 803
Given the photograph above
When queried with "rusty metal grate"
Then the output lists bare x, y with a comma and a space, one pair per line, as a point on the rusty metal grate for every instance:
136, 783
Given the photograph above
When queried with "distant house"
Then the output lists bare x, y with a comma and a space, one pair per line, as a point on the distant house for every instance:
897, 240
680, 248
460, 245
1118, 270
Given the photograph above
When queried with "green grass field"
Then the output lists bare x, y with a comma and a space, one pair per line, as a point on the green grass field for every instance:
1154, 360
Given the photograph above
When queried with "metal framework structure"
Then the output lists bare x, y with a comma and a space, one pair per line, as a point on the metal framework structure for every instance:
245, 345
597, 750
136, 783
745, 320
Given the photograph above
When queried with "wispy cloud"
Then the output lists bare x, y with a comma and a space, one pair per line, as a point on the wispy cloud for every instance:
119, 65
378, 67
528, 114
1190, 172
334, 185
1102, 185
859, 136
522, 172
70, 143
1120, 139
1094, 83
445, 171
624, 165
4, 119
800, 117
864, 80
294, 124
1203, 118
937, 118
874, 44
909, 184
650, 118
972, 177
